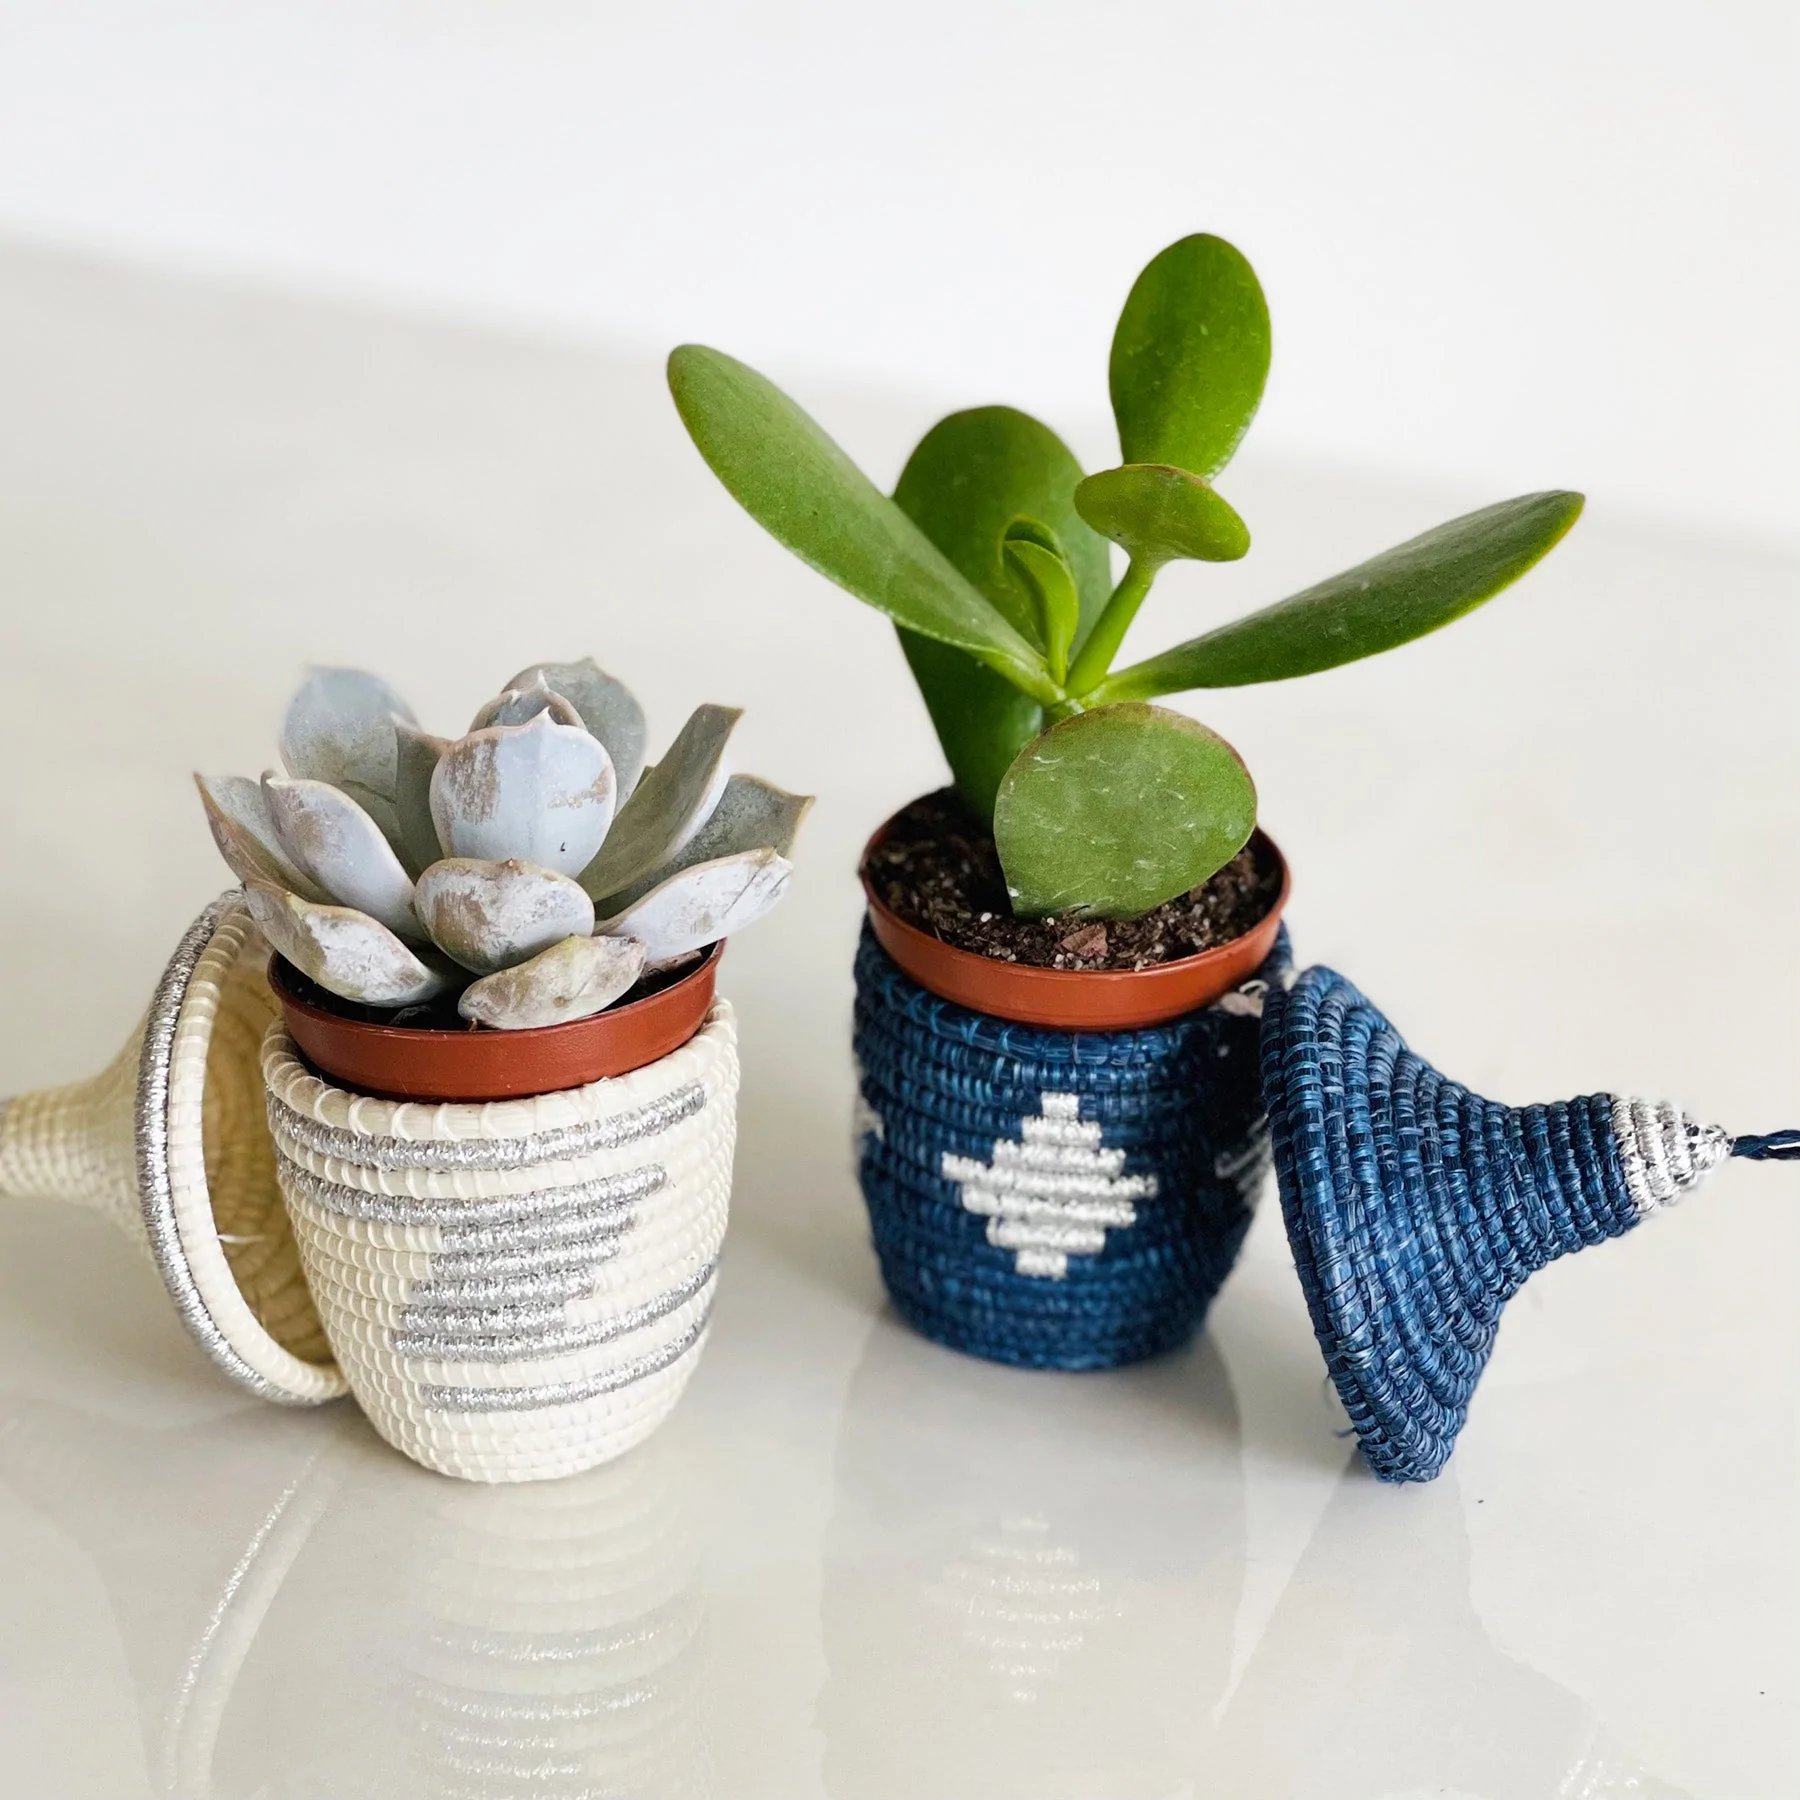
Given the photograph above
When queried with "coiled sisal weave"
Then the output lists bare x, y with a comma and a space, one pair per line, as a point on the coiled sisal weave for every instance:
1058, 1199
520, 1289
169, 1143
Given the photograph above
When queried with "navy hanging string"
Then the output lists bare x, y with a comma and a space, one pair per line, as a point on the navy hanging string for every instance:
1777, 1146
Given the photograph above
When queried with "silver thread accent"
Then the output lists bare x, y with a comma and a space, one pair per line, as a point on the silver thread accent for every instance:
1663, 1152
605, 1193
565, 1393
497, 1338
155, 1193
553, 1237
473, 1293
488, 1154
469, 1266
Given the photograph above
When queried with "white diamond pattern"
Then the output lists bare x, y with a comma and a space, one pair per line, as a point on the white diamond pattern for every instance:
1053, 1192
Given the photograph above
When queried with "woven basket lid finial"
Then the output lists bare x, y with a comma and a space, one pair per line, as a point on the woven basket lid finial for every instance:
1416, 1209
171, 1142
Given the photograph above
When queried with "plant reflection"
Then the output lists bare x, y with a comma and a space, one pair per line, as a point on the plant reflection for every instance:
1026, 1592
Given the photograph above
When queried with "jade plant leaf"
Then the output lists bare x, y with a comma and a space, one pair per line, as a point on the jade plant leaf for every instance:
1387, 601
1160, 514
1190, 356
571, 980
1114, 811
1035, 560
976, 472
971, 476
807, 494
982, 721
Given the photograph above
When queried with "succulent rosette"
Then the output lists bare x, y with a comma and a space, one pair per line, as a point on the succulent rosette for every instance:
535, 868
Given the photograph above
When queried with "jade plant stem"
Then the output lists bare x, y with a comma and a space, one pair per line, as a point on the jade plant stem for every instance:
1109, 631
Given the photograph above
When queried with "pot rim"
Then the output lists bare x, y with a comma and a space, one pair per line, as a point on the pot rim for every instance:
421, 1062
1075, 999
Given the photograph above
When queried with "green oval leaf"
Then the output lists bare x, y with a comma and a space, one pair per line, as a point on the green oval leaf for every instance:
1114, 811
1190, 356
1387, 601
1036, 561
1161, 514
807, 494
972, 474
980, 718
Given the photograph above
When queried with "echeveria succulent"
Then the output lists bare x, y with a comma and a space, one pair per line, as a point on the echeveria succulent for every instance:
533, 867
992, 558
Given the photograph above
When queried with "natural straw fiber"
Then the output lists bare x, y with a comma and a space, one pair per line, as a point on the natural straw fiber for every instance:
169, 1143
1065, 1200
1416, 1209
520, 1289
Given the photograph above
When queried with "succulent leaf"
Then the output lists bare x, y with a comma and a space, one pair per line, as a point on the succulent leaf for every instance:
1036, 559
1402, 594
807, 494
703, 904
344, 951
669, 805
975, 472
492, 915
1190, 356
336, 842
522, 701
1114, 811
1159, 514
752, 814
416, 759
340, 728
238, 813
571, 980
608, 708
540, 792
971, 474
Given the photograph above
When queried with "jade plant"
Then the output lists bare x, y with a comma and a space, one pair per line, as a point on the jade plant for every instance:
533, 869
993, 559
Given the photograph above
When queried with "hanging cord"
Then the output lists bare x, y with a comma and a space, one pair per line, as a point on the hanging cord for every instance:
1776, 1146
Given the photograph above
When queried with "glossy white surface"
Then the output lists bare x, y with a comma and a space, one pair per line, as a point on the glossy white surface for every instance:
1558, 845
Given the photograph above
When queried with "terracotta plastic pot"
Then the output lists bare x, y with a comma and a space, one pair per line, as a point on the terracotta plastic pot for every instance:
1076, 999
396, 1062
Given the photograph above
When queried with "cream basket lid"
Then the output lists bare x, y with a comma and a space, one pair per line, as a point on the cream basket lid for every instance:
171, 1141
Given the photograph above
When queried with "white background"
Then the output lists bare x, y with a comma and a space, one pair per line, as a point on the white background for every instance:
1550, 242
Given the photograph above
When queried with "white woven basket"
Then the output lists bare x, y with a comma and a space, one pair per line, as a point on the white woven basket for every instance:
521, 1289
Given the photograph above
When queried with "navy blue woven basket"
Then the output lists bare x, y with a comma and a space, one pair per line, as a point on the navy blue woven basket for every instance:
1416, 1209
1060, 1200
